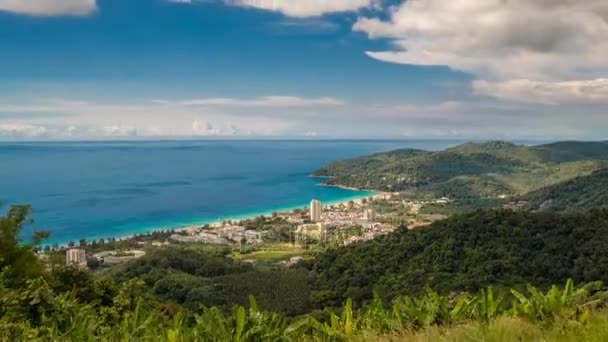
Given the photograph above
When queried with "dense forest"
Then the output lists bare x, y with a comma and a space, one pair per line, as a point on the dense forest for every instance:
472, 170
466, 252
195, 276
579, 193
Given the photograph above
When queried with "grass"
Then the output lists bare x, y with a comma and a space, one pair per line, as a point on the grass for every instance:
523, 182
272, 253
506, 329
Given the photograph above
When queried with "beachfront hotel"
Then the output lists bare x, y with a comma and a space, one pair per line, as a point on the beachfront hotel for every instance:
76, 257
369, 215
315, 210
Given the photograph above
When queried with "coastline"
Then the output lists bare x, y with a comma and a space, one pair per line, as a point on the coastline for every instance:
180, 226
343, 187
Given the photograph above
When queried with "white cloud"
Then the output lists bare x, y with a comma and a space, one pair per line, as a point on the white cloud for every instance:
305, 8
118, 131
47, 119
49, 7
487, 119
306, 25
32, 131
21, 130
266, 101
548, 41
204, 128
522, 90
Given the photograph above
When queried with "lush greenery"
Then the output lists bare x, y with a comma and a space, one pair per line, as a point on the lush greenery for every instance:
201, 293
192, 276
36, 312
579, 193
471, 170
466, 252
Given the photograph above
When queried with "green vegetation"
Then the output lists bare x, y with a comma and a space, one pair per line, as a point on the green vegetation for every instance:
355, 293
579, 193
18, 261
471, 170
191, 277
270, 254
467, 252
36, 312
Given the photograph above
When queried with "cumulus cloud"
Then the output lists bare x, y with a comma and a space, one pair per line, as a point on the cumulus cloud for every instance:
305, 8
204, 128
227, 129
499, 40
522, 90
119, 131
479, 119
46, 119
21, 131
49, 7
33, 131
266, 101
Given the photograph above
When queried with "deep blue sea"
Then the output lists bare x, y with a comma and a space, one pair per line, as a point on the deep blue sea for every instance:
104, 189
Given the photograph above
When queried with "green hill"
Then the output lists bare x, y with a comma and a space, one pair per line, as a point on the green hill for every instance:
578, 193
467, 252
482, 170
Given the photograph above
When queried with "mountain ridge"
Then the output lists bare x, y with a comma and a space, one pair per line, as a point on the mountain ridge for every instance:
488, 169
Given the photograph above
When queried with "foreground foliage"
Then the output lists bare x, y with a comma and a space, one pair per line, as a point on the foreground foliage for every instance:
36, 312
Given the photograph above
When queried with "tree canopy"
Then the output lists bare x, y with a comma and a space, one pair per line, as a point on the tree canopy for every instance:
467, 252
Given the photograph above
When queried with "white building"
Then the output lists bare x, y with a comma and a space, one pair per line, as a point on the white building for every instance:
315, 210
253, 236
369, 215
76, 257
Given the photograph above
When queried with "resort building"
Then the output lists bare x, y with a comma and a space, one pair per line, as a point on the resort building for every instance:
202, 237
369, 215
315, 210
76, 257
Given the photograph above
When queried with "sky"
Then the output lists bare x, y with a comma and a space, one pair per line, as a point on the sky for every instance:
303, 69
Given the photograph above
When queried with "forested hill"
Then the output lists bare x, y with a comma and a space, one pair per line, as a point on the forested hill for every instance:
578, 193
467, 252
470, 170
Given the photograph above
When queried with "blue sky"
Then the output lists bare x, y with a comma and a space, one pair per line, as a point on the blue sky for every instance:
116, 69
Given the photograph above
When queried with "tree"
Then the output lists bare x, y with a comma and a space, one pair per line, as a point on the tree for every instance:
18, 261
351, 204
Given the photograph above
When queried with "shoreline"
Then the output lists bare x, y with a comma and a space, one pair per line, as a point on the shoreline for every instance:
238, 217
343, 187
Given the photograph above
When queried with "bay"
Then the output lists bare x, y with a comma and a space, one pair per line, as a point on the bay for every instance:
112, 189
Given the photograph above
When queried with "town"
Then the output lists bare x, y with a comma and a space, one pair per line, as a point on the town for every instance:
342, 223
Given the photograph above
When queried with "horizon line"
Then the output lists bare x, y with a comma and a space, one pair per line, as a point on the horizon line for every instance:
287, 139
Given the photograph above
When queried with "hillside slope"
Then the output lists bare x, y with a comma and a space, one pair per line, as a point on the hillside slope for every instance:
470, 170
467, 252
578, 193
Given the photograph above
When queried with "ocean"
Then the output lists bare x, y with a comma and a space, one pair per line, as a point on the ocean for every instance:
98, 190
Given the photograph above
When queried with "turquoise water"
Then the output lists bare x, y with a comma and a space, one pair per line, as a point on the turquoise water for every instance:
104, 189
